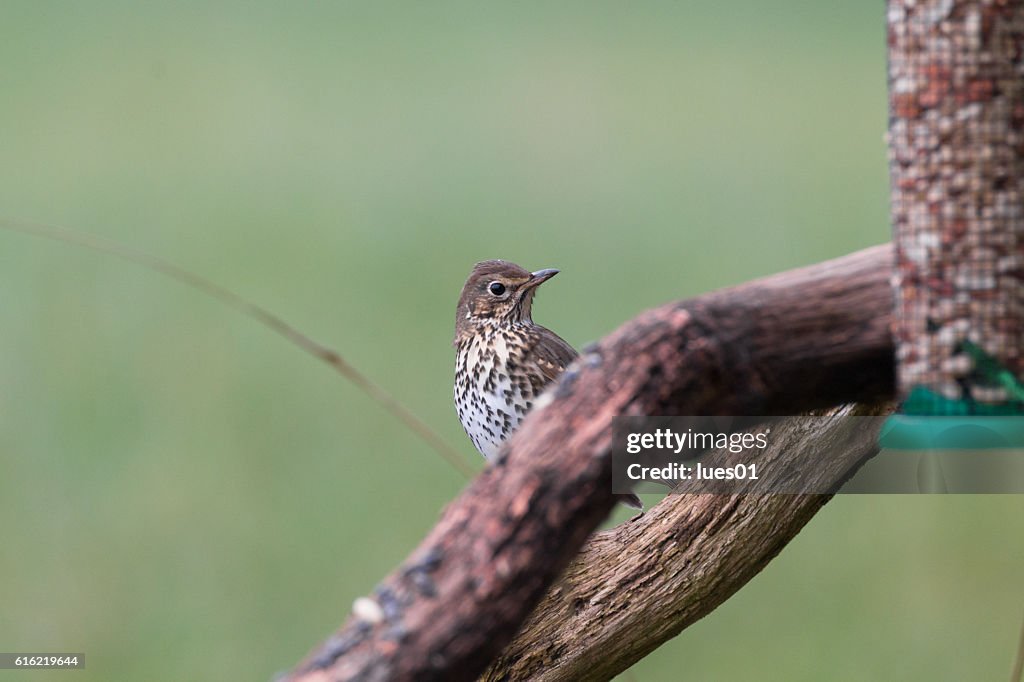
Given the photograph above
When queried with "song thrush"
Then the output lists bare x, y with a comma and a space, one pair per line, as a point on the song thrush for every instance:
503, 360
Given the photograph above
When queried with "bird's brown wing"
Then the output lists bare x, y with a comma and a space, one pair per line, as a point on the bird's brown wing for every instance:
551, 354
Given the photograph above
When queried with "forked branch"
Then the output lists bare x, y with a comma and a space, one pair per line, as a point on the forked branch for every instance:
800, 340
636, 586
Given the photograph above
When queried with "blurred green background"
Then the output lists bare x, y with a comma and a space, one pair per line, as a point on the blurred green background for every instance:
185, 496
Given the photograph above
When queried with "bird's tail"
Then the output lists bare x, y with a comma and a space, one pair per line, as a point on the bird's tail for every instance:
630, 500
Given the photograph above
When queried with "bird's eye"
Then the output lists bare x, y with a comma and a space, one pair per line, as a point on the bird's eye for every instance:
496, 288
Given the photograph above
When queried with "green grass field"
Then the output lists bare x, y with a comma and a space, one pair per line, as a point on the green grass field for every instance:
184, 495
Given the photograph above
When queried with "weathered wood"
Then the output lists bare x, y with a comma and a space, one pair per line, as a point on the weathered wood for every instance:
636, 586
799, 340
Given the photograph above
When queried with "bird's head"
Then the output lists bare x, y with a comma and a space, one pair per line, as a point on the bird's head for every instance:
497, 291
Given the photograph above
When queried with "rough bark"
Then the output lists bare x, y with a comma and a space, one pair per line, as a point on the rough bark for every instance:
800, 340
636, 586
956, 132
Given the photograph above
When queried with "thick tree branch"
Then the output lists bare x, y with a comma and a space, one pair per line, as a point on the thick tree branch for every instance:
636, 586
800, 340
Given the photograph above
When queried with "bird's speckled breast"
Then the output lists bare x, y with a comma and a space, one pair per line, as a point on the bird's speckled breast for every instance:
492, 391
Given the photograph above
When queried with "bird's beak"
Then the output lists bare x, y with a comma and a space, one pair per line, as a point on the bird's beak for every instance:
539, 277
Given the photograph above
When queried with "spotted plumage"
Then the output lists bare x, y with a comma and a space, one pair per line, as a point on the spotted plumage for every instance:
503, 360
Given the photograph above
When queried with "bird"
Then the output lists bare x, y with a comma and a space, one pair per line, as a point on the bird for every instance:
503, 359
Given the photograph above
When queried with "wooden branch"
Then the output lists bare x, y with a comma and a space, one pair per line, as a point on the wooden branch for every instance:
636, 586
800, 340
